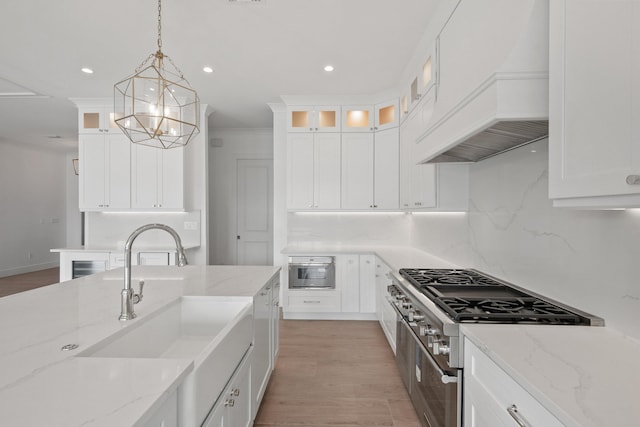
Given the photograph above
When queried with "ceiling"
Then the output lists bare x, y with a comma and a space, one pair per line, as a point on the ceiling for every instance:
258, 51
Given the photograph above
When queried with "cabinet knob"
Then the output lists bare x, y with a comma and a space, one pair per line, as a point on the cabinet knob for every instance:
633, 179
310, 128
375, 206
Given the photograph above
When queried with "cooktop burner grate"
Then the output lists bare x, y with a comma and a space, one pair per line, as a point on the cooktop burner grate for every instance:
506, 310
470, 296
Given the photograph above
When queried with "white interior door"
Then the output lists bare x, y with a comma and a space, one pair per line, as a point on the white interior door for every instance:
255, 212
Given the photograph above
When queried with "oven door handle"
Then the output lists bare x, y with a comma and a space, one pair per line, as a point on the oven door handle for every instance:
444, 377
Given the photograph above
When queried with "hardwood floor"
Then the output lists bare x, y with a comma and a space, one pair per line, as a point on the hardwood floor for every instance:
335, 373
23, 282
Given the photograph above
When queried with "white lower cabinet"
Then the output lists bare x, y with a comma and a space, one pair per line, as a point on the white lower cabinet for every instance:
261, 365
367, 284
354, 296
385, 314
234, 406
355, 277
320, 301
493, 399
167, 415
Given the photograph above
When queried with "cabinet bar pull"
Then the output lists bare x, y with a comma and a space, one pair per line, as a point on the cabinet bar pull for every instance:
311, 302
513, 411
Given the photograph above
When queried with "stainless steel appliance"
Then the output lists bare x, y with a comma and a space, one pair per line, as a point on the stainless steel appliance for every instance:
312, 272
431, 303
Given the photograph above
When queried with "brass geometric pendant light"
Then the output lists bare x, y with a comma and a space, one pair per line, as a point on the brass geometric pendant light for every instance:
156, 106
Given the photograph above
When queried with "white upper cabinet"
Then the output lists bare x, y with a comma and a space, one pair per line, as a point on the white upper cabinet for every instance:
594, 123
313, 119
105, 172
313, 180
387, 115
370, 171
157, 178
442, 187
359, 118
357, 171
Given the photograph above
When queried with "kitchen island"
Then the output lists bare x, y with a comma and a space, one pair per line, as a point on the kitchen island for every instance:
40, 384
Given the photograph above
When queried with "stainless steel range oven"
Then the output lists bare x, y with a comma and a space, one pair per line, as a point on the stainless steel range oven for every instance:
431, 303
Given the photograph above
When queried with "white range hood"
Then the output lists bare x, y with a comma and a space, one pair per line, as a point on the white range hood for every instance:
492, 86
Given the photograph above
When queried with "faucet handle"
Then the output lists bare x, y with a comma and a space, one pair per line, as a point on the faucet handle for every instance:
138, 297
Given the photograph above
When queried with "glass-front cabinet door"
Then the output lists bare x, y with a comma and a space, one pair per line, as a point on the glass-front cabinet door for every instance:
387, 115
313, 119
359, 118
96, 120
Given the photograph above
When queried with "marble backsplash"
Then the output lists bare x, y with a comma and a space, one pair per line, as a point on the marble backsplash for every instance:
111, 230
586, 259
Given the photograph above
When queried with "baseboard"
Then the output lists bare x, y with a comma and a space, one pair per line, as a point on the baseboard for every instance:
29, 268
328, 316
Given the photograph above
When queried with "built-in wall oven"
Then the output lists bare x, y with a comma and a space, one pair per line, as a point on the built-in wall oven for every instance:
317, 272
430, 304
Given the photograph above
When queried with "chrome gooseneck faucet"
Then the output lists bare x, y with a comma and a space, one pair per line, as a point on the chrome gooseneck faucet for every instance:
127, 296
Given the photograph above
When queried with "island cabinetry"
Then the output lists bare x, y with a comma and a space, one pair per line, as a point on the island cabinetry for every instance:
313, 171
370, 170
157, 178
265, 341
493, 398
594, 117
167, 415
104, 172
313, 119
234, 406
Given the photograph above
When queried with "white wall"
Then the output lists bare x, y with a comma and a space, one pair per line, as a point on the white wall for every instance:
236, 144
587, 259
32, 207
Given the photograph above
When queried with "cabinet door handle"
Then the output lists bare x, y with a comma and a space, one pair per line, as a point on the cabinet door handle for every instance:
229, 403
513, 411
633, 179
311, 302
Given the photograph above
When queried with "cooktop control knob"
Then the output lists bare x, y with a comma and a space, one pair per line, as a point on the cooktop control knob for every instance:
441, 349
427, 330
417, 316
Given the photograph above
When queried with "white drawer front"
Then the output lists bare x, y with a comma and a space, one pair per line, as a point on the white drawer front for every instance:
314, 303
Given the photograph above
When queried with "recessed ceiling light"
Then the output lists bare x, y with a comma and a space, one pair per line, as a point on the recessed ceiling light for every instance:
328, 68
207, 70
86, 70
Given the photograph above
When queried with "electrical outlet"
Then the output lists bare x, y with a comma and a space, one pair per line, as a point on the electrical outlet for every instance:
190, 225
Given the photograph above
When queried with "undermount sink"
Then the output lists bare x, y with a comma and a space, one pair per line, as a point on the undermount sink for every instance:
214, 332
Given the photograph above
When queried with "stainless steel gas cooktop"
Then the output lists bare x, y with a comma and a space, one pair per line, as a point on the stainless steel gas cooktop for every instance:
471, 296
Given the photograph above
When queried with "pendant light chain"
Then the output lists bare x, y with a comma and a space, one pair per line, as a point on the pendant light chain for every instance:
159, 26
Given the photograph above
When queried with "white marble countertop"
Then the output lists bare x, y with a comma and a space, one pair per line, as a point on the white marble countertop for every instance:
42, 385
585, 376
